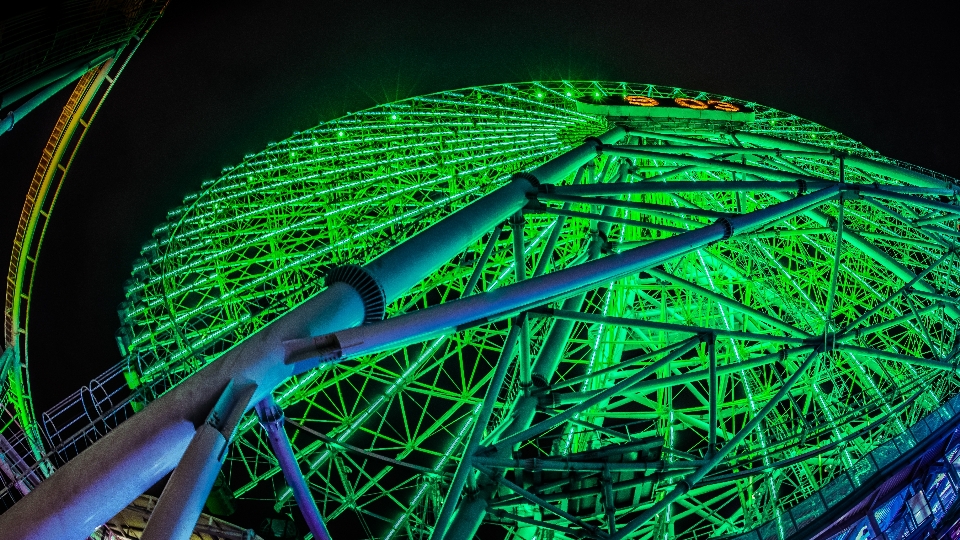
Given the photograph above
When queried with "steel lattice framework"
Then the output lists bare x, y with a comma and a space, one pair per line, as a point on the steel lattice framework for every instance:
831, 328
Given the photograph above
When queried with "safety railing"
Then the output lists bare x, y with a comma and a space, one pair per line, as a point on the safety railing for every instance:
73, 425
834, 493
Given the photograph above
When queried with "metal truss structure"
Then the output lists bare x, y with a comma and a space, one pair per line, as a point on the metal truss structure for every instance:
680, 328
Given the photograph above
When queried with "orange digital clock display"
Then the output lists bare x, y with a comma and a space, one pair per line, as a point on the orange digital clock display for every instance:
642, 101
679, 102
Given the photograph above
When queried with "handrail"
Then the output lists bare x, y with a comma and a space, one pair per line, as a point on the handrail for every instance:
805, 514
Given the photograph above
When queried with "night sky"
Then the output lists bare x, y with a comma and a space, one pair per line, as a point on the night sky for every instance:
217, 80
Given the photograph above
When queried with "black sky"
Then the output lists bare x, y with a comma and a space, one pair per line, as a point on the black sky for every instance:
216, 80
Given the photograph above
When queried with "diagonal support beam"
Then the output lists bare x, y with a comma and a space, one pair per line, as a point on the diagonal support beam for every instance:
465, 468
907, 286
646, 387
728, 302
464, 313
186, 492
618, 388
882, 257
604, 218
484, 257
271, 418
942, 365
658, 209
547, 255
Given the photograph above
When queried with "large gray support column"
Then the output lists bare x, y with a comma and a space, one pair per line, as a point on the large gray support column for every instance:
271, 418
94, 486
476, 310
106, 477
182, 500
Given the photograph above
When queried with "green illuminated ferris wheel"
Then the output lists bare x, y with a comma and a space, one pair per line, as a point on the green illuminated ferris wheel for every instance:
761, 303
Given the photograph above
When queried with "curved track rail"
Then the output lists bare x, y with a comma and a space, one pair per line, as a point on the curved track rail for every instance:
24, 441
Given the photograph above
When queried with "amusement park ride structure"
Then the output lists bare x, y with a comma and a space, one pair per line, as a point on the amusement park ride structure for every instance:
46, 50
564, 309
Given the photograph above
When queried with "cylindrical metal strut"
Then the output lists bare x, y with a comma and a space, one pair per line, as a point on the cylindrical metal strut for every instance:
271, 418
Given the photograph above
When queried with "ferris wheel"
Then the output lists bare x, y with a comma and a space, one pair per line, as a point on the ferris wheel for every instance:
685, 327
546, 309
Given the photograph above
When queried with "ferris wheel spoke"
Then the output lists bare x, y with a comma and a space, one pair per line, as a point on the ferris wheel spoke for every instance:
593, 398
907, 286
684, 487
883, 258
753, 313
396, 388
869, 426
930, 233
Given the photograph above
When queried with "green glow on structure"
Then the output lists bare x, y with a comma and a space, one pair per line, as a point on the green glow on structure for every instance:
257, 241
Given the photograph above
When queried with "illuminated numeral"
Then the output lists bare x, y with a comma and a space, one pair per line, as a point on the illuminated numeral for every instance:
690, 103
723, 105
642, 101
